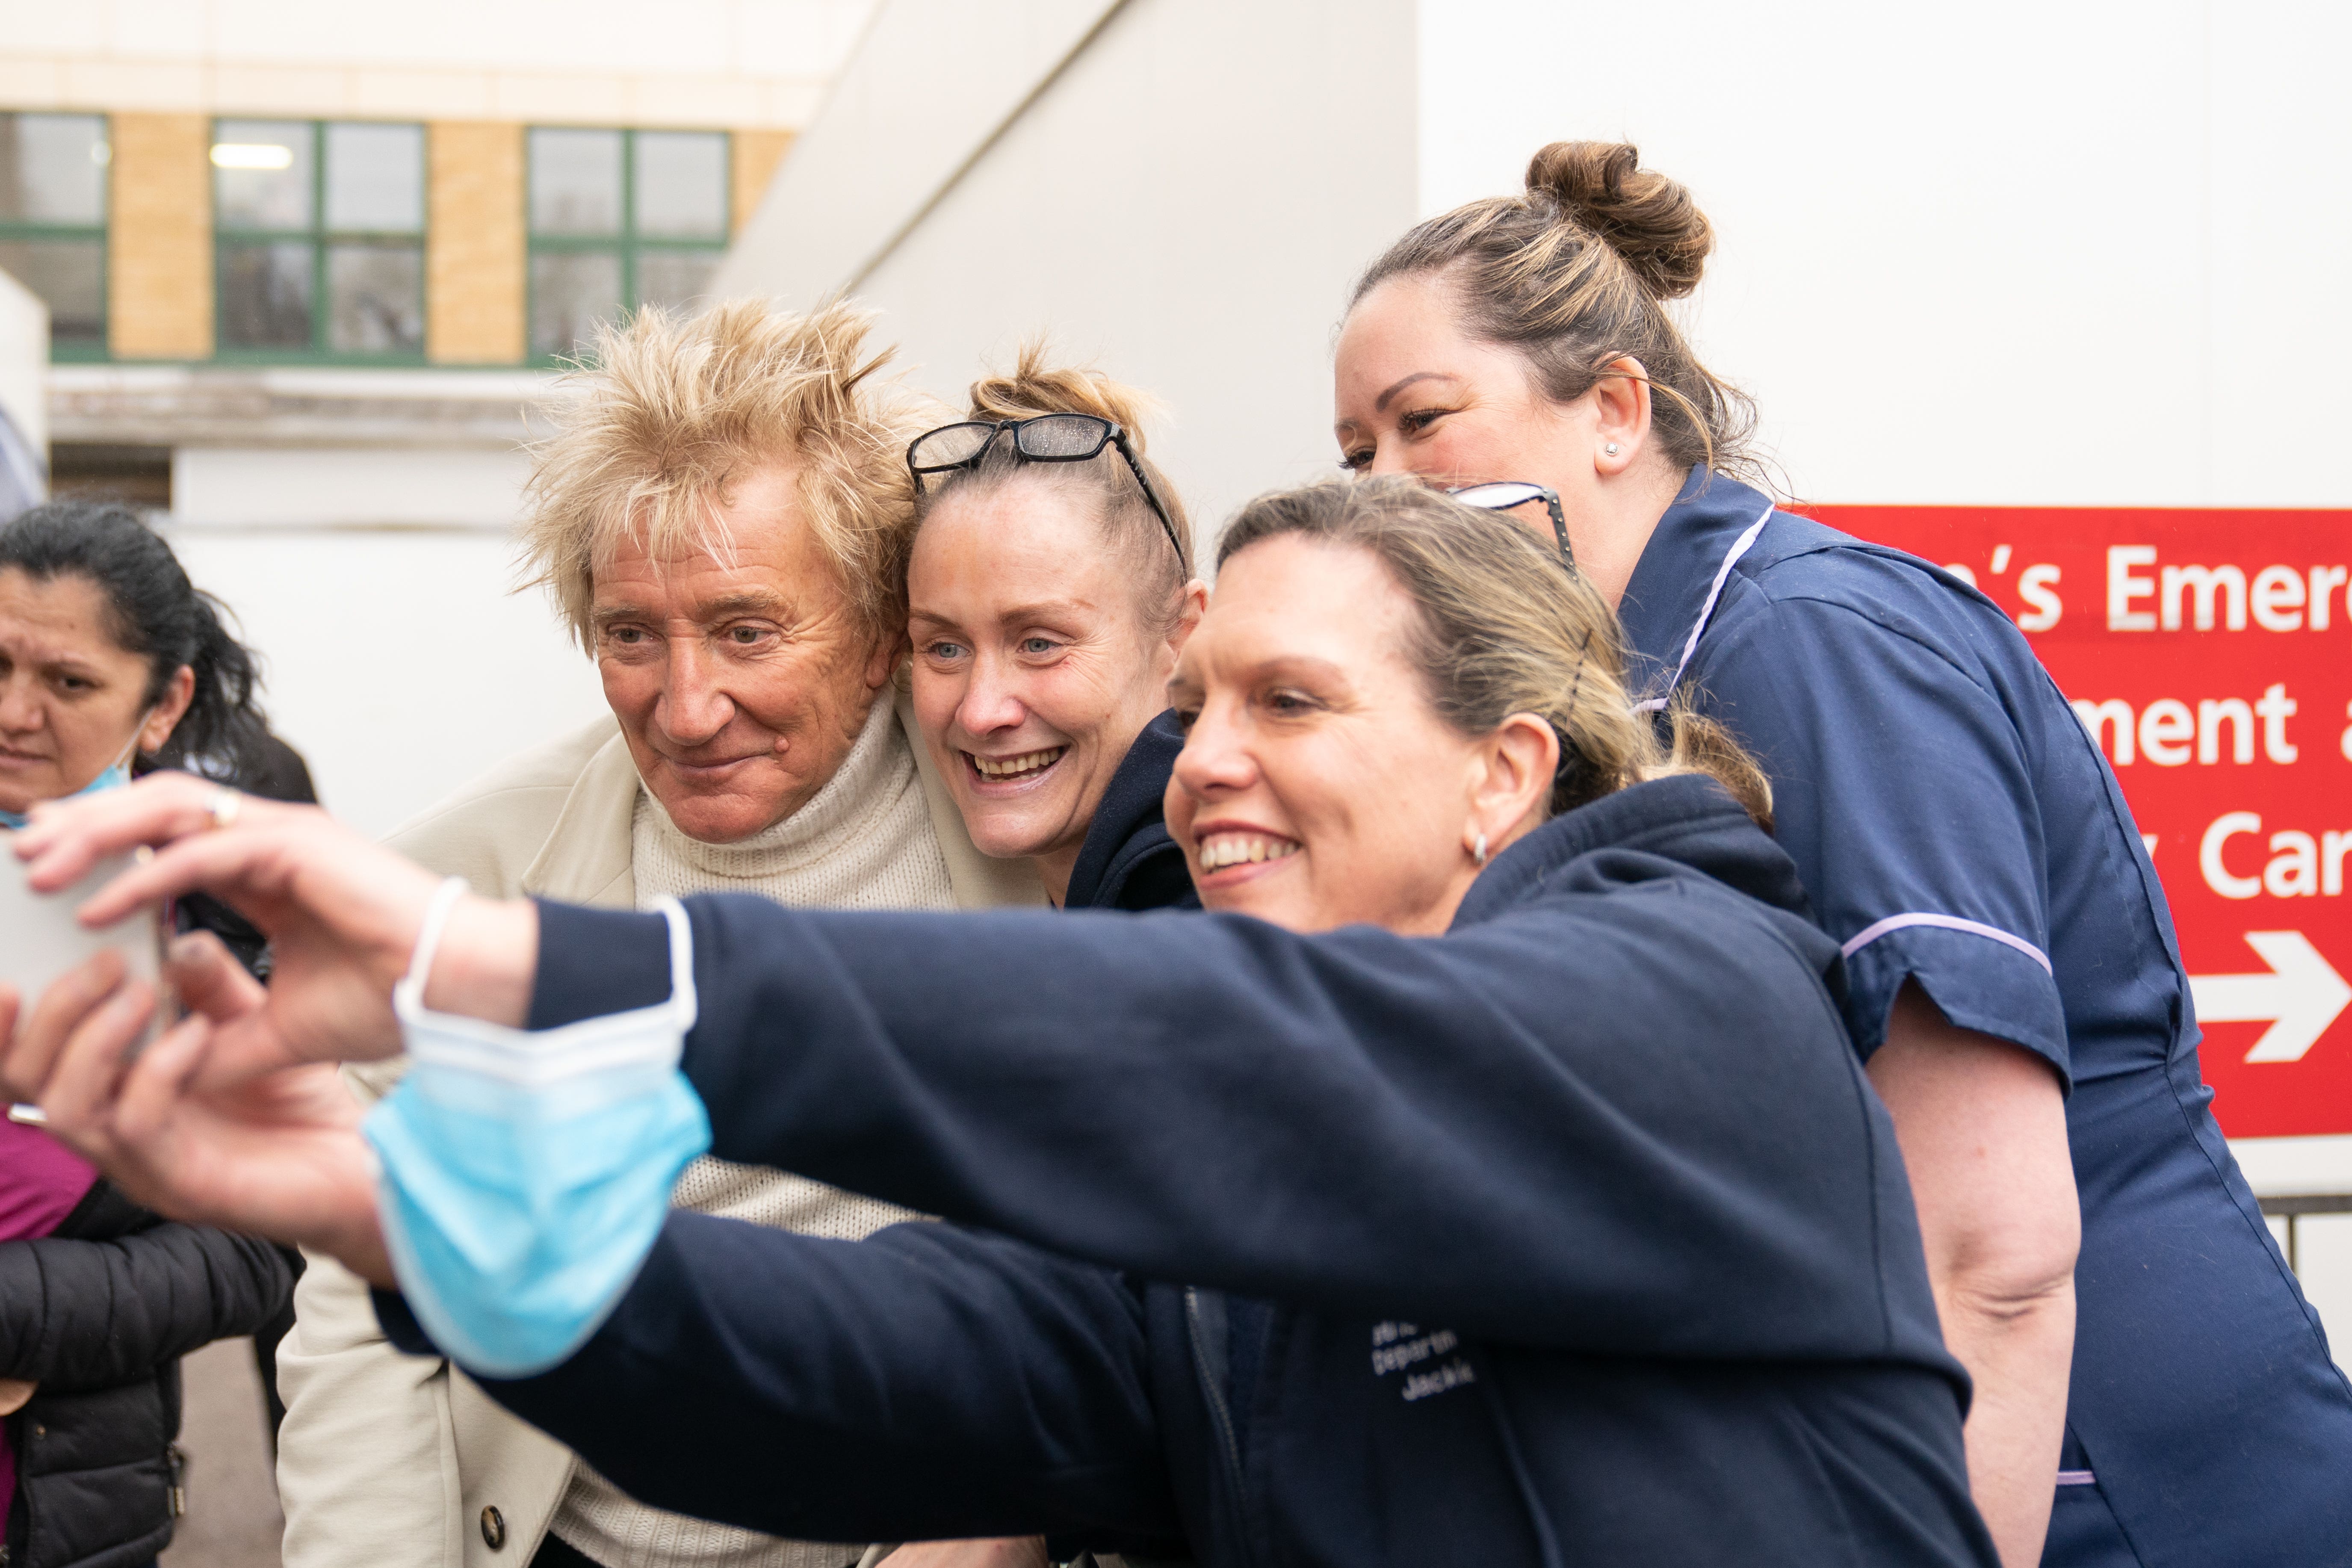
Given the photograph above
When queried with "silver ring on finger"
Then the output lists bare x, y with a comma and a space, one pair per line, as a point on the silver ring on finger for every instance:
223, 808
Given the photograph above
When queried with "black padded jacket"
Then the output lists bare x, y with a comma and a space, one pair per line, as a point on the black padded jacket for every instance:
99, 1315
1128, 861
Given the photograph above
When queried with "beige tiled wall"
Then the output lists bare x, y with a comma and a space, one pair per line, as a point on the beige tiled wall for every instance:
158, 246
757, 153
475, 253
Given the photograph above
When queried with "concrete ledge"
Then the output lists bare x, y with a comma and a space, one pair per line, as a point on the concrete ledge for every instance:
174, 405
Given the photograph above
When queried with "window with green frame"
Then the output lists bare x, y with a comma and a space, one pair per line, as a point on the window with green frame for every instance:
53, 222
319, 240
620, 219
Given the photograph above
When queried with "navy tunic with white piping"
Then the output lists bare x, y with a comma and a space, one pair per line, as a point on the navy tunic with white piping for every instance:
1954, 825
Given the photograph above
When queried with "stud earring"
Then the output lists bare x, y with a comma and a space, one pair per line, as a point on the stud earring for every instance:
1478, 850
1611, 448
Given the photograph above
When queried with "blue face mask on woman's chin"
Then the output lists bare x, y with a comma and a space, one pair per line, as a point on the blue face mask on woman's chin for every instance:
114, 777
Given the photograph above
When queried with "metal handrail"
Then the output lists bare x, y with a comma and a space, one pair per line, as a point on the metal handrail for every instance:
2291, 1208
2314, 1202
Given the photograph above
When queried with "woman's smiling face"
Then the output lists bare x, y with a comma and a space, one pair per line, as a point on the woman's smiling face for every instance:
1036, 663
1318, 787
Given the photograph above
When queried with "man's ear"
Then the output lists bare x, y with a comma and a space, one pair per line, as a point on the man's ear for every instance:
883, 662
1513, 790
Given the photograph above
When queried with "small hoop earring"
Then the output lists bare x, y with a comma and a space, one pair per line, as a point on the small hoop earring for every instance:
1478, 850
1611, 448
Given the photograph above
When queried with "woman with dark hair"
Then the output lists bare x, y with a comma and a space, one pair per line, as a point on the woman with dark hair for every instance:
109, 660
112, 664
180, 690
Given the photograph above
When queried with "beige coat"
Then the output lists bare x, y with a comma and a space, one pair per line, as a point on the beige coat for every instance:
395, 1461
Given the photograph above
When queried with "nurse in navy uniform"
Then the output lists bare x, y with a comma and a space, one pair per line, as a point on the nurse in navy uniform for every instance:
2150, 1386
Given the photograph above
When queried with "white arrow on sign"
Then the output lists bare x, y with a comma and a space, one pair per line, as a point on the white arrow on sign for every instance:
2298, 998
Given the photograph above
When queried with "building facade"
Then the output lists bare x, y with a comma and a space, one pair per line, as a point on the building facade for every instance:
311, 276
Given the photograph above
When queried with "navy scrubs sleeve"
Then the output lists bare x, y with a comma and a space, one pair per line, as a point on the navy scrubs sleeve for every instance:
1447, 1128
926, 1382
1903, 793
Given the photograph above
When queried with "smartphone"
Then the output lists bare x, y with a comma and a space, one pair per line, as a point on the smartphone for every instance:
40, 941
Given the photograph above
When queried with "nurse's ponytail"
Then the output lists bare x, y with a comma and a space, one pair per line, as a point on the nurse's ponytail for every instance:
1574, 273
1503, 630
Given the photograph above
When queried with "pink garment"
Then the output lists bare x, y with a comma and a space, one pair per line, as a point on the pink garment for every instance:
40, 1182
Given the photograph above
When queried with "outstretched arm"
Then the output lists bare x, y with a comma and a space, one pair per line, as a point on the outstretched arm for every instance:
1593, 1123
925, 1382
1458, 1130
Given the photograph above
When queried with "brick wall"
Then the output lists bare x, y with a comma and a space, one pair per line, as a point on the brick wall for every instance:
757, 153
475, 250
159, 238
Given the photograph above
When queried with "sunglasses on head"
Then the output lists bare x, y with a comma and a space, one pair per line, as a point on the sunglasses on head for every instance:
1502, 495
1047, 438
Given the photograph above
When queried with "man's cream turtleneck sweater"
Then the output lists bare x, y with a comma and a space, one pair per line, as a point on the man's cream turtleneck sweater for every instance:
863, 841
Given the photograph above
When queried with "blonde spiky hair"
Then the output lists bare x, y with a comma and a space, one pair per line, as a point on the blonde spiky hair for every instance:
670, 410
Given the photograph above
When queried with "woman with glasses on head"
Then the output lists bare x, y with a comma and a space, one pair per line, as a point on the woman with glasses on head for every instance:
1486, 1177
2012, 976
1049, 592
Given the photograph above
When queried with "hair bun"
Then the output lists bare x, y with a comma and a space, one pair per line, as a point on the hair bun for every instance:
1035, 388
1646, 218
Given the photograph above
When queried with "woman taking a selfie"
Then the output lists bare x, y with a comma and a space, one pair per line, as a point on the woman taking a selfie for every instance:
2013, 980
1049, 592
1531, 1202
107, 657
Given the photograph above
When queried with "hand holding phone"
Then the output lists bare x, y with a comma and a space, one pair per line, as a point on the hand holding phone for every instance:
40, 940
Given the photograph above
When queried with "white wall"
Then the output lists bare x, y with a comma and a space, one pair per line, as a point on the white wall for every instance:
24, 360
694, 63
1185, 206
324, 485
2008, 253
881, 152
398, 662
2323, 1261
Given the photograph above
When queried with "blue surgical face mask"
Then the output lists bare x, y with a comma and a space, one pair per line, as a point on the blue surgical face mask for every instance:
114, 777
525, 1175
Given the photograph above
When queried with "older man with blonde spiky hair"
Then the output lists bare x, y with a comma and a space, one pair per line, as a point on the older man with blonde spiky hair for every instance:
723, 521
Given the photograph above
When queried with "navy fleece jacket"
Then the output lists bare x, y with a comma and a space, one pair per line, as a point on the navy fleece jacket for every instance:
1583, 1235
1128, 861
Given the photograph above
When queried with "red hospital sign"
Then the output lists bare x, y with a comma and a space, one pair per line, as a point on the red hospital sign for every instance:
2210, 655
